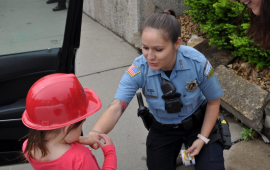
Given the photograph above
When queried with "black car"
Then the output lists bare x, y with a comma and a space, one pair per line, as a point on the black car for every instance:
34, 42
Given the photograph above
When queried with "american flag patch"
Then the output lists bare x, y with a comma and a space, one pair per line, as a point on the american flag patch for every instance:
133, 70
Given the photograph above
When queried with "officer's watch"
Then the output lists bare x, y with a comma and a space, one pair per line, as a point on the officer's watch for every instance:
203, 138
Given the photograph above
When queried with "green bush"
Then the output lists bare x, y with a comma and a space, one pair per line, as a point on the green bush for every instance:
218, 20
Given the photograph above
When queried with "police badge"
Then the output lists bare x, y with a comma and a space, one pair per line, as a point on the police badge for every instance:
192, 85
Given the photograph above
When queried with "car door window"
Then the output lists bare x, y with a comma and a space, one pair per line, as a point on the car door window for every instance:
30, 25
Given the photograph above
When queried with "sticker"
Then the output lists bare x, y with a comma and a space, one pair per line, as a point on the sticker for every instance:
223, 121
181, 64
83, 91
192, 85
208, 70
133, 70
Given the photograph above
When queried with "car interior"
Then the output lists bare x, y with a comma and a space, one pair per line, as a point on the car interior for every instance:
34, 42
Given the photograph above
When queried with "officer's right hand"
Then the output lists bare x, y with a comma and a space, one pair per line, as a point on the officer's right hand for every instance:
90, 139
196, 147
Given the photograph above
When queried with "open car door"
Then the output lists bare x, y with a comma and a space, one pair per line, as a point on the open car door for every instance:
34, 42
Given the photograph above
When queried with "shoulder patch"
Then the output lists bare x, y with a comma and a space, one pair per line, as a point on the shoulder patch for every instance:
133, 70
208, 70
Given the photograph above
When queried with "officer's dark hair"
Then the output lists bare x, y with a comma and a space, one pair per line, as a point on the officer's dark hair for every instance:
165, 21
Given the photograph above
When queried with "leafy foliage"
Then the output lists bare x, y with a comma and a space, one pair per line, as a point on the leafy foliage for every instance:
247, 134
218, 19
235, 118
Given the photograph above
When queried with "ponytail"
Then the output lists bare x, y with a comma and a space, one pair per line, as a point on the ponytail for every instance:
166, 22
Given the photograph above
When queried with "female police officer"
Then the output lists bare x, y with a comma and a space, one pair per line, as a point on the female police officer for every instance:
190, 80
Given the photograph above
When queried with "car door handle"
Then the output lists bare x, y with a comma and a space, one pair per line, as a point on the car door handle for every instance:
12, 111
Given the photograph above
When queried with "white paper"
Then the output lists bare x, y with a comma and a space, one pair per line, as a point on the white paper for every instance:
187, 159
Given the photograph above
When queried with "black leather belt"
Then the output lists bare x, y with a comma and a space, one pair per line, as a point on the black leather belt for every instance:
173, 126
188, 123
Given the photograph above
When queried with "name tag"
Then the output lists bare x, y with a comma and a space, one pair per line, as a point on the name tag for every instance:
150, 96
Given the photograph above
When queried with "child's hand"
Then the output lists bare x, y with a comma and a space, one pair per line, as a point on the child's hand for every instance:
107, 140
90, 140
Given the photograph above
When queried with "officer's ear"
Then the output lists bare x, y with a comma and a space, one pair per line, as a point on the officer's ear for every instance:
177, 43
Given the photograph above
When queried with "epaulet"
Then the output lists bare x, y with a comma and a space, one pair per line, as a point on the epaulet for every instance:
192, 53
140, 60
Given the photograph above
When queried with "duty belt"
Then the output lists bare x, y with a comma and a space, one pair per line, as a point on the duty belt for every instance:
190, 122
174, 126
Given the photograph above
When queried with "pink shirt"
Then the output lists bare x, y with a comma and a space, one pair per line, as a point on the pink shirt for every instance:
78, 157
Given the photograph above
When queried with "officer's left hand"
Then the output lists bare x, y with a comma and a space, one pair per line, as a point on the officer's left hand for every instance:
196, 147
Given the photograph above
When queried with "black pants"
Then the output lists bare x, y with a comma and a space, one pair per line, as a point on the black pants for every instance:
62, 2
164, 144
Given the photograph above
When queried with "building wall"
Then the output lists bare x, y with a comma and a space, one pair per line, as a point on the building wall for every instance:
125, 17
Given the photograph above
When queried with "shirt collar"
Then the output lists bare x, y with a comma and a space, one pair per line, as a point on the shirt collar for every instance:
180, 65
181, 62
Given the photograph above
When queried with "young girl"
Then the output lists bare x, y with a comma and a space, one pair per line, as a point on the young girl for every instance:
56, 107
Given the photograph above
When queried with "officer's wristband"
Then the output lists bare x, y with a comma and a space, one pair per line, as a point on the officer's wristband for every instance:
203, 138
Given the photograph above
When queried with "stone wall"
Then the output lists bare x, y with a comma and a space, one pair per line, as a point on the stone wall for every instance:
125, 17
247, 101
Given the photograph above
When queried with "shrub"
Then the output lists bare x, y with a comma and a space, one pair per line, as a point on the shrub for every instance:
218, 19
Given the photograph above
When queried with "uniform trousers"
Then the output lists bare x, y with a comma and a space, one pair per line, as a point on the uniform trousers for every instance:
164, 144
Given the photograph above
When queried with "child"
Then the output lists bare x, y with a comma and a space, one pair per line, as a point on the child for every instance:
56, 107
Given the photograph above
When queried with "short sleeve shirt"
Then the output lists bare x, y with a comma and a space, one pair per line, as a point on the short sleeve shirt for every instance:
193, 77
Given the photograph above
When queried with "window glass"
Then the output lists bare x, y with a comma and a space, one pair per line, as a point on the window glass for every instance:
30, 25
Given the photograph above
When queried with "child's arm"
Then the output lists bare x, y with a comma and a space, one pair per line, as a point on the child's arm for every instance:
110, 160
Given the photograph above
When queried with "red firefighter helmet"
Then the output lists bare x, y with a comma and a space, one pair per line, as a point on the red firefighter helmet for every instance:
58, 100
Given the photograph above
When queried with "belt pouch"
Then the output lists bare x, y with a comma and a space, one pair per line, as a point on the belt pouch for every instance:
187, 124
198, 116
203, 105
147, 118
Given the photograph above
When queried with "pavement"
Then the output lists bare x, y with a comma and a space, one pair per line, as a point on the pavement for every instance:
101, 61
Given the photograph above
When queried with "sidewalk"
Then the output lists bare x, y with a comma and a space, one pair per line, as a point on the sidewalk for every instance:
101, 61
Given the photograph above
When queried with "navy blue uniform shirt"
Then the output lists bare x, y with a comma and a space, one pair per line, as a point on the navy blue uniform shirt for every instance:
191, 68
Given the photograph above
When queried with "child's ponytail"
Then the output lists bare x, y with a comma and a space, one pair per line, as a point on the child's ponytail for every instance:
35, 142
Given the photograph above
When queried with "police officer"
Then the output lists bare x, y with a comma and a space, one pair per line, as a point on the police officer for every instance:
175, 80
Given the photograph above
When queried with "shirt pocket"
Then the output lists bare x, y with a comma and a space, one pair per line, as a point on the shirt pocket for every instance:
190, 100
156, 103
158, 107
